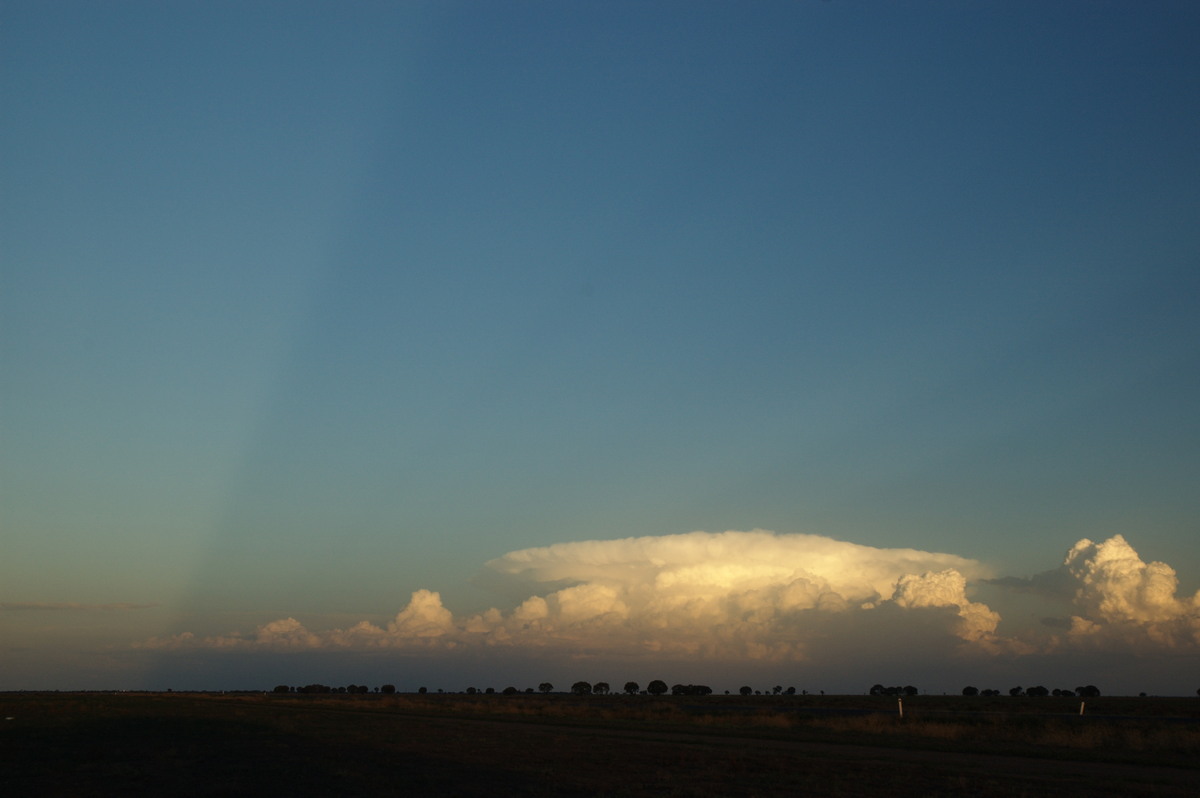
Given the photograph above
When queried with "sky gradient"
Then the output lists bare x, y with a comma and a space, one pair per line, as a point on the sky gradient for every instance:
310, 312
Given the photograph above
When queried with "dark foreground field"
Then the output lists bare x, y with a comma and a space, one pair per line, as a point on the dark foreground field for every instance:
241, 744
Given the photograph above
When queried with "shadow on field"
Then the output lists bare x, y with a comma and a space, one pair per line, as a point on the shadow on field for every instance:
89, 744
205, 756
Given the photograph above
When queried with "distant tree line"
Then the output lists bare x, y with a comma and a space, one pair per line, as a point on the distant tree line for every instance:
324, 688
655, 687
659, 687
1088, 691
879, 689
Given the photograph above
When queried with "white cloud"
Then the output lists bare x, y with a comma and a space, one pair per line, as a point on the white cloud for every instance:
1121, 597
730, 595
423, 617
759, 596
948, 589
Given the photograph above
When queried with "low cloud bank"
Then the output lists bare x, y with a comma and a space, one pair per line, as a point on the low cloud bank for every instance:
759, 596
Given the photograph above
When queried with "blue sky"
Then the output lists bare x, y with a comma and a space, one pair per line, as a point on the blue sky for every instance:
307, 307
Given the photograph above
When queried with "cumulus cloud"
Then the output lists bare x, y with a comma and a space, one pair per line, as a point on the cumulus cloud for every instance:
1115, 599
1118, 594
948, 589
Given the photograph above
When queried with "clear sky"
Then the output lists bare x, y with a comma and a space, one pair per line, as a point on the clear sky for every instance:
336, 337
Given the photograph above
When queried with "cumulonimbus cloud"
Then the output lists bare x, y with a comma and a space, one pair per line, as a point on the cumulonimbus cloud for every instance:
755, 596
729, 595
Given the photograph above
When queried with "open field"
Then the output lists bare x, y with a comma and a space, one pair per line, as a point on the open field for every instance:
549, 745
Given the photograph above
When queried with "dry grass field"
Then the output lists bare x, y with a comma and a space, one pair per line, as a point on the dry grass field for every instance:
557, 745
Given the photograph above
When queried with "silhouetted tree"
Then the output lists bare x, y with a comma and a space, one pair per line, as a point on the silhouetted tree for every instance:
777, 689
281, 688
490, 691
600, 688
878, 689
388, 689
1037, 691
910, 690
691, 689
545, 687
581, 688
1091, 691
424, 690
1016, 691
746, 689
471, 691
510, 691
631, 688
968, 690
791, 691
656, 687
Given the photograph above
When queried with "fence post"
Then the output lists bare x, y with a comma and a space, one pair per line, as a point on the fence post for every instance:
1081, 703
900, 706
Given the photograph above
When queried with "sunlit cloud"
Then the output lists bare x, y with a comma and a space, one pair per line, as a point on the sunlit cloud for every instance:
1120, 597
760, 596
731, 595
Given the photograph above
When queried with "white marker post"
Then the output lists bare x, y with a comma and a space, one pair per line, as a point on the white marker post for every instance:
1081, 703
900, 705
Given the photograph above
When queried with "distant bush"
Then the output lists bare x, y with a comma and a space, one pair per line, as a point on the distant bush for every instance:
691, 689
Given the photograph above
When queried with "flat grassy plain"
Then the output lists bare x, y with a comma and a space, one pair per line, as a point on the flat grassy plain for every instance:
194, 744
